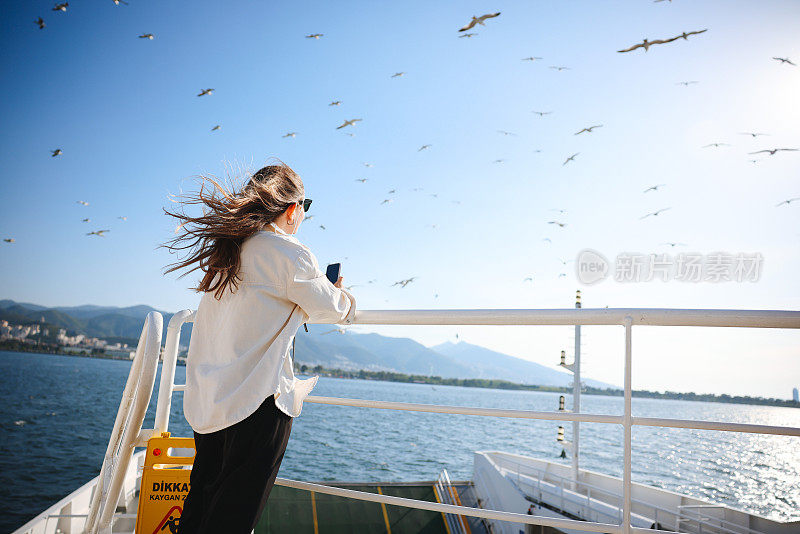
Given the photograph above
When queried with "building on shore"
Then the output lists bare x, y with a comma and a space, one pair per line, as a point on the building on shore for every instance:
795, 395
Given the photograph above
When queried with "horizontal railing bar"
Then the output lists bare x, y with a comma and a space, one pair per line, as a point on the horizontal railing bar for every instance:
178, 387
556, 416
584, 316
451, 508
466, 410
717, 425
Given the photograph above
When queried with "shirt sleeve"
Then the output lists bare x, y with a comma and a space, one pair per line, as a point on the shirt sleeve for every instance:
315, 294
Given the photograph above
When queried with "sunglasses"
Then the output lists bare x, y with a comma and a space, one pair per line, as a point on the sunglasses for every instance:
306, 203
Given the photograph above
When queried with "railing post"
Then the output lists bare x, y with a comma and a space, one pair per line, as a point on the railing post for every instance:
170, 357
626, 426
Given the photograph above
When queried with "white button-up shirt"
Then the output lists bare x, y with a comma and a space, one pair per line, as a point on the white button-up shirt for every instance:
239, 352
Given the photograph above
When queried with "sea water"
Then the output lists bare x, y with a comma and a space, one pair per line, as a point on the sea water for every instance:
57, 412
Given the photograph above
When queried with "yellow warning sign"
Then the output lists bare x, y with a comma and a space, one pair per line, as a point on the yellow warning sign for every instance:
165, 484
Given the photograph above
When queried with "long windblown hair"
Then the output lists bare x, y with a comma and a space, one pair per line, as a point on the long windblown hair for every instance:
229, 217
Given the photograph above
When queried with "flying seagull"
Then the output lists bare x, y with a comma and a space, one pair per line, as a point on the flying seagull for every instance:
673, 245
215, 128
9, 239
685, 35
562, 212
322, 226
542, 113
686, 83
784, 60
505, 132
61, 7
752, 133
716, 145
335, 103
528, 279
787, 202
40, 23
571, 158
362, 180
646, 44
205, 92
478, 20
397, 74
123, 217
423, 147
589, 129
98, 233
654, 187
467, 35
391, 191
548, 240
85, 220
655, 213
532, 58
56, 152
405, 282
560, 68
386, 200
146, 36
339, 330
560, 224
82, 202
314, 36
772, 152
368, 165
350, 122
290, 134
498, 161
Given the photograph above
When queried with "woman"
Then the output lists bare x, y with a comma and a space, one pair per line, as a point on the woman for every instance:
260, 284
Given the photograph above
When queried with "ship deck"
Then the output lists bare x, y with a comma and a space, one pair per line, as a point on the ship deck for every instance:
301, 512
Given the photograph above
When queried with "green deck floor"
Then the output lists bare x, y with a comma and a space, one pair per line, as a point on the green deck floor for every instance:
291, 510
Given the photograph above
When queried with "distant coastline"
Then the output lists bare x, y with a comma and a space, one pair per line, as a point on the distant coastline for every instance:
503, 384
18, 346
488, 383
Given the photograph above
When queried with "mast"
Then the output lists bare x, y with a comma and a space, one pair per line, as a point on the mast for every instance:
575, 368
576, 398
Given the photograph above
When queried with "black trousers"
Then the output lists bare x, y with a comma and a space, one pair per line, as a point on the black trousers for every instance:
234, 471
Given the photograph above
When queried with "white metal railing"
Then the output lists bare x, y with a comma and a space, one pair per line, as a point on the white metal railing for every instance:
127, 426
446, 493
626, 317
590, 493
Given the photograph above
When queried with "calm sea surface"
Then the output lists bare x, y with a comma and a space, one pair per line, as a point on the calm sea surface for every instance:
56, 415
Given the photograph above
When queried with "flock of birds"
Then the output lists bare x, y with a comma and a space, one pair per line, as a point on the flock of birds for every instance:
475, 22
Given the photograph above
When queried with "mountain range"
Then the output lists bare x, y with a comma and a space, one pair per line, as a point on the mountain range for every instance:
322, 345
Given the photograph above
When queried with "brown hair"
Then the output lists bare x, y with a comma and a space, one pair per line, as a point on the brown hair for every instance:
229, 217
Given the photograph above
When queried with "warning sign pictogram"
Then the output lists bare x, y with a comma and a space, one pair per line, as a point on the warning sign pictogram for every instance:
171, 520
165, 484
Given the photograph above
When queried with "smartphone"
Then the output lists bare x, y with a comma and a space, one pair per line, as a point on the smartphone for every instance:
333, 272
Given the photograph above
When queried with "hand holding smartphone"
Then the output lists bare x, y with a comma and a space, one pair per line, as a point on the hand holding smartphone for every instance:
333, 272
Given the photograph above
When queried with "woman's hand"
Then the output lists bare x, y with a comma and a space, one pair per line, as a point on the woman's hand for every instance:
339, 282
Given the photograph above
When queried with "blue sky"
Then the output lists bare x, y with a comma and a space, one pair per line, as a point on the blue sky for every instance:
132, 131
